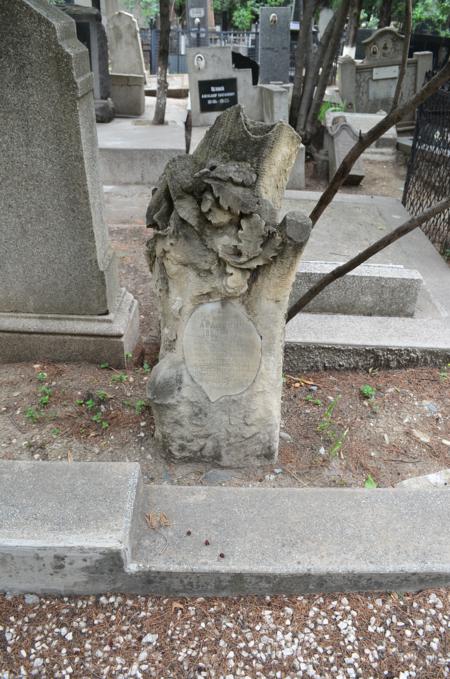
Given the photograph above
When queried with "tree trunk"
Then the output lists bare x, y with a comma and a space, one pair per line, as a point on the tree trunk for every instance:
163, 60
331, 49
306, 15
385, 14
353, 22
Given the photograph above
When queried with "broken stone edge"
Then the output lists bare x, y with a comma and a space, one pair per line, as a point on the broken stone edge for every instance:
285, 540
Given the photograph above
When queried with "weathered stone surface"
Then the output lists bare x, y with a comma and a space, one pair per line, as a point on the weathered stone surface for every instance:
369, 290
341, 137
274, 44
80, 528
428, 481
223, 266
128, 94
57, 259
125, 47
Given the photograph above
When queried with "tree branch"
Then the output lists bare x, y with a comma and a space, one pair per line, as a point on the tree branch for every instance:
404, 64
297, 89
363, 256
372, 135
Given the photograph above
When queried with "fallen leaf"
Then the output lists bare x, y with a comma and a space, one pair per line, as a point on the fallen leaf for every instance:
176, 606
69, 457
164, 520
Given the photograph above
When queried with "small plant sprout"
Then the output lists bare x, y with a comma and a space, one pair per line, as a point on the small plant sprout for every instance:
328, 414
146, 367
443, 373
370, 482
79, 402
101, 395
98, 419
367, 391
104, 365
41, 376
336, 448
140, 406
121, 378
89, 403
32, 415
55, 431
314, 401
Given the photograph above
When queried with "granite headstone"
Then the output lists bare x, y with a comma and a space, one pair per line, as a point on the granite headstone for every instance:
274, 44
60, 295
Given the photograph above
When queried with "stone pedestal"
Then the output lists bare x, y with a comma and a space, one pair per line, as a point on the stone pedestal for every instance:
60, 295
223, 266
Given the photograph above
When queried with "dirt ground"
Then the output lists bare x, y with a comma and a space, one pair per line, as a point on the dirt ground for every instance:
332, 434
381, 179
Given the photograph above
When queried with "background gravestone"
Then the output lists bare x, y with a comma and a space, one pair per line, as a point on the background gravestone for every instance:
60, 297
341, 137
274, 44
197, 22
125, 49
92, 33
223, 266
127, 65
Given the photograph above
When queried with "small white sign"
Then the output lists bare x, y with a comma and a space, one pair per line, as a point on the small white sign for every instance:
196, 12
384, 72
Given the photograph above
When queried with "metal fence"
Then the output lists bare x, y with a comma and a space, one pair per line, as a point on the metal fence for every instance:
428, 175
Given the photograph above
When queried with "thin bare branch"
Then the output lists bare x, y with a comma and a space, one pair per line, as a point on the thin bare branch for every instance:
373, 134
363, 256
404, 64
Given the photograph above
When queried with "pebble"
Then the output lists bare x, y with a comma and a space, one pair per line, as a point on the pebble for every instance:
150, 639
285, 436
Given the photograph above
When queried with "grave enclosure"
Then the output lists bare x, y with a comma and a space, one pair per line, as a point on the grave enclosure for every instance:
223, 259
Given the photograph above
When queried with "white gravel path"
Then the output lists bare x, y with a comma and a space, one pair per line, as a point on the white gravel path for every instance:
391, 636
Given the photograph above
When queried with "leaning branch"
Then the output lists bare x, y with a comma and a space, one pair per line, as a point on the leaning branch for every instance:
375, 133
380, 244
406, 43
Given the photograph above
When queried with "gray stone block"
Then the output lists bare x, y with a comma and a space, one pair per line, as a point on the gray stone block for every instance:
369, 290
128, 94
274, 44
427, 481
80, 528
125, 49
296, 179
57, 260
65, 527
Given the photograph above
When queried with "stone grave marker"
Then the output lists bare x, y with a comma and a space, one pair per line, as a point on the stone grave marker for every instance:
197, 22
125, 47
274, 44
368, 86
92, 33
127, 64
224, 265
60, 295
341, 138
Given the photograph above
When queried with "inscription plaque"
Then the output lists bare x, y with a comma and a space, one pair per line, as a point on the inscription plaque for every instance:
382, 72
222, 349
217, 95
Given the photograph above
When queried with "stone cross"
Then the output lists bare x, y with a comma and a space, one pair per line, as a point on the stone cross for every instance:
223, 265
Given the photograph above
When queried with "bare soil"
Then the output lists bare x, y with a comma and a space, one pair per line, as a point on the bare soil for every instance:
381, 179
331, 434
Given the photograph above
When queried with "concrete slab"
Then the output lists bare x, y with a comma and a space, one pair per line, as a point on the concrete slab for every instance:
368, 290
80, 528
351, 223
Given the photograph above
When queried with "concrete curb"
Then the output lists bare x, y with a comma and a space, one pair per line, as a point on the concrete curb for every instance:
79, 528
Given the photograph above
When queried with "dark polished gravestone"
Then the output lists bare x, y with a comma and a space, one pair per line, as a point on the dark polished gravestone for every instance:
217, 95
274, 44
92, 33
60, 294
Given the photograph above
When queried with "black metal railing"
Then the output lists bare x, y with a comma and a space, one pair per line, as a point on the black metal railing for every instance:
428, 175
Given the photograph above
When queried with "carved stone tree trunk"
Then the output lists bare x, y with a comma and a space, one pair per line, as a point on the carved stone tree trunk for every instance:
224, 266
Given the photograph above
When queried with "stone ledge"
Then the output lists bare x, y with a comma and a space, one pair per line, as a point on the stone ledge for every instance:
80, 529
369, 290
37, 337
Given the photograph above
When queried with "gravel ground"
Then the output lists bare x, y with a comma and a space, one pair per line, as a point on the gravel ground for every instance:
394, 636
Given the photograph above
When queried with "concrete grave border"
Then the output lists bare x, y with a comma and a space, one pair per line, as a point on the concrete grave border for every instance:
79, 529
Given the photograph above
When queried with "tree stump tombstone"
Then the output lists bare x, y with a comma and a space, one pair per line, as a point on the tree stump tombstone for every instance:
223, 265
